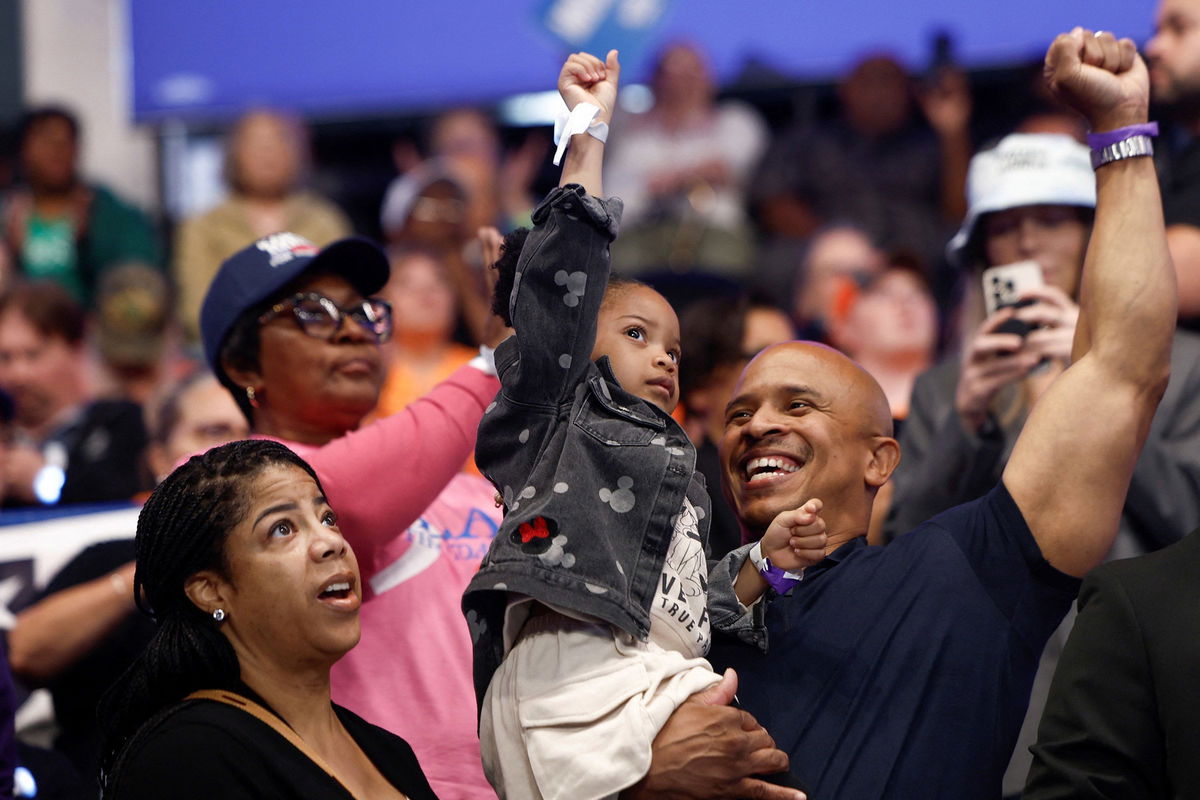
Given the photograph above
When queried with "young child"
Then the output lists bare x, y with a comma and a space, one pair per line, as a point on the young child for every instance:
592, 611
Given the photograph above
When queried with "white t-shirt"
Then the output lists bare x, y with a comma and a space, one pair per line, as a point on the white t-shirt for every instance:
679, 614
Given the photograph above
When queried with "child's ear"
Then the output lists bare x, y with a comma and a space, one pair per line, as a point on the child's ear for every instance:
885, 457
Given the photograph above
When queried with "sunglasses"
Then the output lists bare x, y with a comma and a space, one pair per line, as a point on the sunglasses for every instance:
321, 318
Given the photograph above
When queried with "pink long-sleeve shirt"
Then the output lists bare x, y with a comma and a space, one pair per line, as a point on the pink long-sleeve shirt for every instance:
419, 529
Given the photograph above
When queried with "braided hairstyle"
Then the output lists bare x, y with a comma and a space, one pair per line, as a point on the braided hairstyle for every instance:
182, 530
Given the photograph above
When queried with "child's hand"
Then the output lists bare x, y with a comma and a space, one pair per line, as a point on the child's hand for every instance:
796, 539
587, 79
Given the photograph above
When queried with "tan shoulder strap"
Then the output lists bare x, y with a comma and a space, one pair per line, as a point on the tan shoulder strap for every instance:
282, 728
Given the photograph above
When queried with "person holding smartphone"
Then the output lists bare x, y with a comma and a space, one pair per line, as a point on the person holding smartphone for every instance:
1032, 200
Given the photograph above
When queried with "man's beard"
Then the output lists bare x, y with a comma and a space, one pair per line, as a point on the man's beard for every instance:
1180, 102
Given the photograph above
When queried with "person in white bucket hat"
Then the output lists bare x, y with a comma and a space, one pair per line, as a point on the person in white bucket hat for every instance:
1031, 197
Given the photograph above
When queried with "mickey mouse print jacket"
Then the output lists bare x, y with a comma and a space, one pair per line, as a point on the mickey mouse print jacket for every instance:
592, 477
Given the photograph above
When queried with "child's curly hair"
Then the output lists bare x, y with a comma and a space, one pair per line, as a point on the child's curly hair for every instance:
506, 267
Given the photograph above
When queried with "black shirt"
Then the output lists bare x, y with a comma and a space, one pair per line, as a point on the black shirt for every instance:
77, 689
904, 671
206, 749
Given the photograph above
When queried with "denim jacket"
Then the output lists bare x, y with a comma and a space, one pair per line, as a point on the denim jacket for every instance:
592, 477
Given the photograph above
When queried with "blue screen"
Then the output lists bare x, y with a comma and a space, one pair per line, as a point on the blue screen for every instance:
215, 57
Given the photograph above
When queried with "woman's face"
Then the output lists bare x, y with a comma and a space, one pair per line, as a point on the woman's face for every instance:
438, 217
311, 388
421, 296
1052, 235
292, 590
266, 155
893, 318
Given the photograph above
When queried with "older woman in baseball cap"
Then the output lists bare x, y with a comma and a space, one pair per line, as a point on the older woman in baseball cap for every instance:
294, 333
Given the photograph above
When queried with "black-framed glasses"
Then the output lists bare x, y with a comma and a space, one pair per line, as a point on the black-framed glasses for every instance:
321, 318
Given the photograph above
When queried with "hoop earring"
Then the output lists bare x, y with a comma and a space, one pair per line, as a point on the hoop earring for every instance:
218, 615
250, 397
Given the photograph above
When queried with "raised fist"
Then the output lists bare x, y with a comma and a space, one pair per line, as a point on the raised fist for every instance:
587, 79
1101, 77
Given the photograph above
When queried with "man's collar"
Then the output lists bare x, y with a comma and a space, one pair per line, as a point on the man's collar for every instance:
844, 551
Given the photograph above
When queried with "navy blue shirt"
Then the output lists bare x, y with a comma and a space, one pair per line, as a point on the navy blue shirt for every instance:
904, 671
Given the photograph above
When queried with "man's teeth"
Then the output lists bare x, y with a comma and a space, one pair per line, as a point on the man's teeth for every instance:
343, 586
759, 469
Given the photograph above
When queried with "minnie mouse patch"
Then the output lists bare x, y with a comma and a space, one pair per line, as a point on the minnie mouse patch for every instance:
535, 536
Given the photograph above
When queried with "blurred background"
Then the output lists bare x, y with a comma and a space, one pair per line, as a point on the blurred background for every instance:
156, 82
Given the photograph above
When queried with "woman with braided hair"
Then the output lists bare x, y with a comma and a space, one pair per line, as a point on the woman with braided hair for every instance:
256, 595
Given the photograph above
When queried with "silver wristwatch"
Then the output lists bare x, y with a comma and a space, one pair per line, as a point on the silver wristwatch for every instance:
1132, 147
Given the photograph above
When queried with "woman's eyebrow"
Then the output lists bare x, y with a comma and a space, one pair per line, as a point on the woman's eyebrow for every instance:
274, 510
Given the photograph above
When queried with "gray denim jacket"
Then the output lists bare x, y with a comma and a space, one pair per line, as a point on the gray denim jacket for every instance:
592, 477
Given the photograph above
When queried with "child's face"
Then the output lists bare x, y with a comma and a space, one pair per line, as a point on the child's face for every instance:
638, 330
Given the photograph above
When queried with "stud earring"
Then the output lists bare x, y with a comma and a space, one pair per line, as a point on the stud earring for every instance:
219, 615
250, 397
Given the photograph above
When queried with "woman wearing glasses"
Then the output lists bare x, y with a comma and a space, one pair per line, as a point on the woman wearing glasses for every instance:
293, 333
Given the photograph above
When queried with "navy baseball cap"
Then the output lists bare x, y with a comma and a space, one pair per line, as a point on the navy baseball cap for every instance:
255, 273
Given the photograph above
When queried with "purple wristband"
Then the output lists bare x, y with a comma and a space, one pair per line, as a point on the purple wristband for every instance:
1099, 140
778, 578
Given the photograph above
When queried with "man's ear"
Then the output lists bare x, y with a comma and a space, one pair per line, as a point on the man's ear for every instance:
206, 590
885, 457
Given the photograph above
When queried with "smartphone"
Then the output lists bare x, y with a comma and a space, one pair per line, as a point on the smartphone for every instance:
1003, 287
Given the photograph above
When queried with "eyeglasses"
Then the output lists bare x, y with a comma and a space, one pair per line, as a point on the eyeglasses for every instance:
321, 318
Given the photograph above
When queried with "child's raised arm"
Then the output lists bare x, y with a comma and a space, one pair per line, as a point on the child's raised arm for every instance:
552, 292
586, 79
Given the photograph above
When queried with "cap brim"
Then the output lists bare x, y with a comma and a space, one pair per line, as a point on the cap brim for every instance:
357, 259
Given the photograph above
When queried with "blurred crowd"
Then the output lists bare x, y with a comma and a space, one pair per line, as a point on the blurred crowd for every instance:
832, 219
864, 220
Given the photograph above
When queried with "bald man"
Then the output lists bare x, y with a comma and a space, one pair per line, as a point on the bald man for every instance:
904, 671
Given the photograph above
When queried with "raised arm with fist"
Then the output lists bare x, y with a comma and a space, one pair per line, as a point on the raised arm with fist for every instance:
1100, 76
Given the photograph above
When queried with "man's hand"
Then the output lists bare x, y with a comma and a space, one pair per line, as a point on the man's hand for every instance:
796, 539
709, 750
587, 79
1101, 77
947, 102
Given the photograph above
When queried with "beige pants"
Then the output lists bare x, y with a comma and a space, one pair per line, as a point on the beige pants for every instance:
572, 710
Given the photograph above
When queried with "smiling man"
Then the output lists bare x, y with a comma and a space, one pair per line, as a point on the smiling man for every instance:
904, 671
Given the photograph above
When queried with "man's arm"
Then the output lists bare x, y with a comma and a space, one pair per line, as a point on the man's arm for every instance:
708, 750
59, 630
1070, 468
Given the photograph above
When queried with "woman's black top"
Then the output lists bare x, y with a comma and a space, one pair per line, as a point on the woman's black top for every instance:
205, 749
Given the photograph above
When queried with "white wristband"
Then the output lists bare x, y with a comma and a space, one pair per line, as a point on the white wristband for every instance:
485, 362
581, 119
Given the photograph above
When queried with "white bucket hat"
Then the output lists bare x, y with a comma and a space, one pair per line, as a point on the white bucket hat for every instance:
1025, 169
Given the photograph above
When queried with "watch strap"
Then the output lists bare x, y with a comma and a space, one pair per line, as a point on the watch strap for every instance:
1133, 147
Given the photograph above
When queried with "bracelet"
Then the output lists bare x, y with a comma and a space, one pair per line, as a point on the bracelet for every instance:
778, 578
485, 362
581, 119
1132, 147
1099, 140
1131, 141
